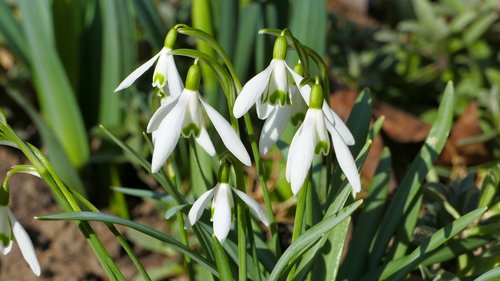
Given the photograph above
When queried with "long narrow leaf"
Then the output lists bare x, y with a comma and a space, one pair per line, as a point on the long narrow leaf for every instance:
399, 268
368, 221
414, 177
308, 238
91, 216
57, 99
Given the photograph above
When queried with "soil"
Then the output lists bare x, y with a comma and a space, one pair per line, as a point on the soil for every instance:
62, 251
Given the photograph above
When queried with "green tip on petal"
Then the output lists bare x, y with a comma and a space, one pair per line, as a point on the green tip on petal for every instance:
193, 77
170, 38
316, 99
280, 45
279, 96
321, 147
191, 129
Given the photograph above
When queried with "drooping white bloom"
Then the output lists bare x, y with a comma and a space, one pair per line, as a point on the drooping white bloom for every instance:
312, 138
165, 77
11, 230
183, 116
222, 204
268, 88
332, 117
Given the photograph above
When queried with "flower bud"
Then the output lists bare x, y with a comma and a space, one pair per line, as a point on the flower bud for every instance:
280, 45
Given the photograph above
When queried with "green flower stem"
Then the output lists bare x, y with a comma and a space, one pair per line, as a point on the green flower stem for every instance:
255, 257
242, 214
299, 217
180, 219
265, 192
185, 241
198, 34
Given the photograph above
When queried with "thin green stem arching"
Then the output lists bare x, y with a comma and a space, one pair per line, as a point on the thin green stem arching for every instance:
198, 34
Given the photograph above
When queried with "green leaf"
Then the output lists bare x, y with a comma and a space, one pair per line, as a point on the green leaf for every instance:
368, 221
455, 248
412, 181
57, 99
309, 238
111, 64
12, 32
142, 193
151, 22
310, 16
221, 260
493, 274
399, 268
245, 40
479, 27
489, 187
91, 216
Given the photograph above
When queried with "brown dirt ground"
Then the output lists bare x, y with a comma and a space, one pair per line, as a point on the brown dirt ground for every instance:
62, 251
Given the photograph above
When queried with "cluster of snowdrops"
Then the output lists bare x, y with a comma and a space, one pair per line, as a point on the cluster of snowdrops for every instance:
281, 94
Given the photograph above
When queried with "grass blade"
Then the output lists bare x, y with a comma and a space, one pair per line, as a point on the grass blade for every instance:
366, 226
91, 216
308, 238
57, 98
414, 177
399, 268
221, 261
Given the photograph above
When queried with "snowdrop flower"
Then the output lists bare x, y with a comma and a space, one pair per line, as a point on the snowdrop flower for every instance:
268, 88
183, 116
330, 115
279, 117
312, 138
11, 230
165, 77
222, 203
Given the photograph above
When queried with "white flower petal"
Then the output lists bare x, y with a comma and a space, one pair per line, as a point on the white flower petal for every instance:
227, 134
279, 76
344, 132
345, 159
24, 242
300, 155
205, 142
137, 73
222, 212
273, 127
167, 104
263, 109
298, 79
199, 206
168, 134
254, 207
175, 84
252, 91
